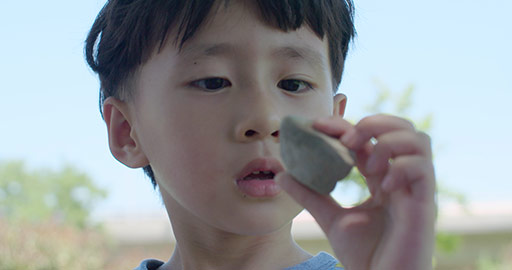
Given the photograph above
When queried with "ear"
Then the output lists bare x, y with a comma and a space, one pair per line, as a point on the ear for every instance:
340, 103
122, 138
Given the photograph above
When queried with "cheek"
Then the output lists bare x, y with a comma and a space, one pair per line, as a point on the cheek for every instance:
181, 152
318, 105
325, 103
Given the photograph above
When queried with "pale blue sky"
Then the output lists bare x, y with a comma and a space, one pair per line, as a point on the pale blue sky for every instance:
456, 53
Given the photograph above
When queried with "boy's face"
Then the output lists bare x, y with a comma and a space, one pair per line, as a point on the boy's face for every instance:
199, 116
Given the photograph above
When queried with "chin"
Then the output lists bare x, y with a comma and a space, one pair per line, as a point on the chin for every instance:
260, 224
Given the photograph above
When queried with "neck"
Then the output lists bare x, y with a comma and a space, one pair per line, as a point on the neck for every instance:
202, 247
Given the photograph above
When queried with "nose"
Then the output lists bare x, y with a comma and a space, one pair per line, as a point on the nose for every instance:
259, 118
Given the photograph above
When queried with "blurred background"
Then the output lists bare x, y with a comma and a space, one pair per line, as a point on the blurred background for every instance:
65, 202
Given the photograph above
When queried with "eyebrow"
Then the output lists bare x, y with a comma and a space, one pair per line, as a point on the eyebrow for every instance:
208, 50
308, 54
311, 56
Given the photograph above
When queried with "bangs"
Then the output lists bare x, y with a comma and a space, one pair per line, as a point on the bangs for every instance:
125, 33
332, 17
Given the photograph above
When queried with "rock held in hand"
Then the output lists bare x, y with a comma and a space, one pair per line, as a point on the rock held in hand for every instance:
313, 158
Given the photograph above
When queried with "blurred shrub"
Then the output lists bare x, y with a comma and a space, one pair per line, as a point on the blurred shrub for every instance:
66, 196
447, 243
501, 262
44, 219
50, 246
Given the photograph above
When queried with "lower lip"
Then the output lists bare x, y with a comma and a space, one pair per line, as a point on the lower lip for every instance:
259, 188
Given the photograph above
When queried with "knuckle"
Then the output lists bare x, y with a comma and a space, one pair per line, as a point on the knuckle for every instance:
366, 121
381, 118
374, 119
412, 167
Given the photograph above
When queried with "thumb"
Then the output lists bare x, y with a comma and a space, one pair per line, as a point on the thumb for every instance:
322, 207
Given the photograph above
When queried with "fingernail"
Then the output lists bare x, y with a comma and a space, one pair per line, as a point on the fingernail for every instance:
322, 120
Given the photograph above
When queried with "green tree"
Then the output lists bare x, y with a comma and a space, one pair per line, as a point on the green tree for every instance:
44, 219
65, 196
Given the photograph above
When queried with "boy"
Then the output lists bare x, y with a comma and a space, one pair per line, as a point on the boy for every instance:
194, 91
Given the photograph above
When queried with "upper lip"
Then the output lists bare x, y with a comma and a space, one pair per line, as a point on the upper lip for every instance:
261, 164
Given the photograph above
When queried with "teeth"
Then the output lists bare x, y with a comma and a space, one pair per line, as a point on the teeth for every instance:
261, 172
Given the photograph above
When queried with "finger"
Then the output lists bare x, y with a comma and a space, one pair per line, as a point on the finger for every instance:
374, 187
393, 144
334, 126
372, 127
412, 174
362, 155
322, 207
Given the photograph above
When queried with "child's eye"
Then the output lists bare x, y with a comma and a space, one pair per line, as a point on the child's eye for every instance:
211, 84
293, 85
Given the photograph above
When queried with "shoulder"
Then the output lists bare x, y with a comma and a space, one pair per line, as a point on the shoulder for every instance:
149, 264
322, 261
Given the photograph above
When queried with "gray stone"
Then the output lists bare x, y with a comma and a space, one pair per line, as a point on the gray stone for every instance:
313, 158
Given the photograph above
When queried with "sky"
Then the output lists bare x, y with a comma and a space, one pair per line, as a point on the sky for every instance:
456, 54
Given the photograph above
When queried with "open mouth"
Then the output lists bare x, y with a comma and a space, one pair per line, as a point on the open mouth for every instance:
260, 175
256, 179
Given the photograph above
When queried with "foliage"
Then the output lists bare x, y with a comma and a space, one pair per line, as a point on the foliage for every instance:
502, 261
44, 219
489, 263
447, 243
50, 246
65, 196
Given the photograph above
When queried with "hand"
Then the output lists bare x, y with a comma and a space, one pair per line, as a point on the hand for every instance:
394, 229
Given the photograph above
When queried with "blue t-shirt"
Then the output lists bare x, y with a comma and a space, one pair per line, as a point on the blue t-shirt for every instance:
322, 261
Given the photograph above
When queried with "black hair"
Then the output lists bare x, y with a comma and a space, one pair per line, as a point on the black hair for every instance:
126, 32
